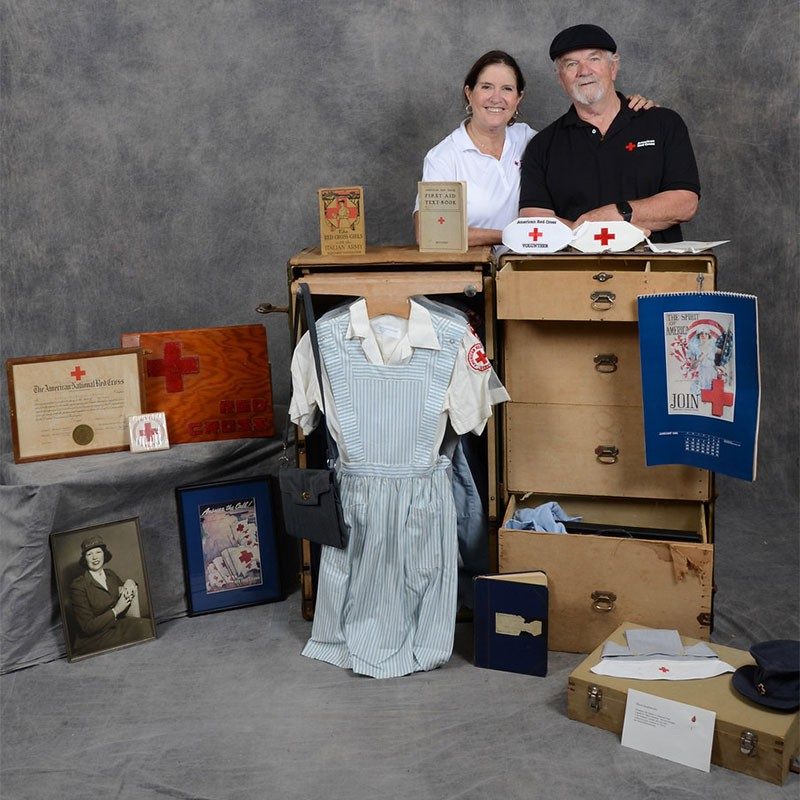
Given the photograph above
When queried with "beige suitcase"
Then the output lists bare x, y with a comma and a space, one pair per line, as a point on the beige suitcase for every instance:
573, 432
747, 737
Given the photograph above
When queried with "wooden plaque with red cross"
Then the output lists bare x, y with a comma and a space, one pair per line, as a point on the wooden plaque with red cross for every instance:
212, 383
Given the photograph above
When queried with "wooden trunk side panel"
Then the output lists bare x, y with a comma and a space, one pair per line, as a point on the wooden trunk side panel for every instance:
659, 584
553, 362
551, 449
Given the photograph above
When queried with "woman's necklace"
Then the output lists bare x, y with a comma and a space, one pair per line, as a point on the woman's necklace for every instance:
490, 148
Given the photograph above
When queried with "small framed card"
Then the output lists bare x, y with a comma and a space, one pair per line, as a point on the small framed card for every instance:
148, 432
229, 544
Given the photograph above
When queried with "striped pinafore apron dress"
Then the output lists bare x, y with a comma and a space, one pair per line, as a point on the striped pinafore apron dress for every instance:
386, 603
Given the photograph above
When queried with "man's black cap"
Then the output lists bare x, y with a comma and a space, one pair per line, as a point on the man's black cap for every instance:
581, 37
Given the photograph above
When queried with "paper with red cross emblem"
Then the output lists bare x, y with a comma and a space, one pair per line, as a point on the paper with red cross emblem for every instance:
535, 235
606, 237
211, 383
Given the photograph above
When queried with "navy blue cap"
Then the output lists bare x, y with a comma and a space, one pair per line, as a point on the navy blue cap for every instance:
581, 37
774, 680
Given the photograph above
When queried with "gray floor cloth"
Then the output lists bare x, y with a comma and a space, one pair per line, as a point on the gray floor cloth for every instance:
224, 706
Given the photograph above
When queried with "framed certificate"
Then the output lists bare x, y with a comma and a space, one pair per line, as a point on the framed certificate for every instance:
73, 404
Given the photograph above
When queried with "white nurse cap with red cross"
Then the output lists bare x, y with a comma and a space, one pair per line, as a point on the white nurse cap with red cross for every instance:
606, 237
535, 235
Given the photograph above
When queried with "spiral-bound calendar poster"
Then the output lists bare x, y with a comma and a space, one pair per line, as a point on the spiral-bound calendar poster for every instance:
701, 380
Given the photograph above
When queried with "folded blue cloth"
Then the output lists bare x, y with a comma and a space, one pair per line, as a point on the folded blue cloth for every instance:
546, 518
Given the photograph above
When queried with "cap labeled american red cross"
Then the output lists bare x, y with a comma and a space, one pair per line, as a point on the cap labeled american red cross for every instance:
534, 235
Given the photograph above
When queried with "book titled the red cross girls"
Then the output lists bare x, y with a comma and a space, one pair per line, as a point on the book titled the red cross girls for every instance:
211, 383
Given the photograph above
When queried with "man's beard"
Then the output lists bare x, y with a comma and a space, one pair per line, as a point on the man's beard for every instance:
587, 95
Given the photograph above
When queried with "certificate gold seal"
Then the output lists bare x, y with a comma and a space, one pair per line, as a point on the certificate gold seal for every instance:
83, 434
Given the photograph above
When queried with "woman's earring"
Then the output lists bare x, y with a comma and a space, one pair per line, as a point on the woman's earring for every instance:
515, 117
468, 109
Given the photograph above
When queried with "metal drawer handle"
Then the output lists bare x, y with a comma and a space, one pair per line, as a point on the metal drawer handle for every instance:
603, 277
607, 453
603, 601
605, 362
602, 301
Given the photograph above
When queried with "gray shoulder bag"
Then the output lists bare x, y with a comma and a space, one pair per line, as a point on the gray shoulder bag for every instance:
310, 499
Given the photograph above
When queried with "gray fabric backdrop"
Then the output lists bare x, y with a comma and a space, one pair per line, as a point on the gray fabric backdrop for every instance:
161, 158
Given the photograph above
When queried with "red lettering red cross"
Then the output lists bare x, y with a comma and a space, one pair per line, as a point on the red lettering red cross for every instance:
148, 431
78, 373
663, 669
604, 237
173, 366
535, 234
630, 147
717, 396
440, 220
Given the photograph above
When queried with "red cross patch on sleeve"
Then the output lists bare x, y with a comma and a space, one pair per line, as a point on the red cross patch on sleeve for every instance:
477, 358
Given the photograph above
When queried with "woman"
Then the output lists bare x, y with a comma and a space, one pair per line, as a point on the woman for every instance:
486, 149
101, 603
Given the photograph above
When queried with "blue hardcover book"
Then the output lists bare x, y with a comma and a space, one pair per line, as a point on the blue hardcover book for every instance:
510, 622
701, 380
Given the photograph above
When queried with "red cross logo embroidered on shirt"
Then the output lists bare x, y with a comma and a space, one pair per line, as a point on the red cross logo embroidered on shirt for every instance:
535, 234
173, 367
717, 396
78, 373
604, 237
630, 147
477, 359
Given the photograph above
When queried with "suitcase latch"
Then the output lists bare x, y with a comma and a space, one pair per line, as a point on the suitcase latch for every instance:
748, 743
603, 277
595, 698
602, 301
607, 453
605, 362
603, 601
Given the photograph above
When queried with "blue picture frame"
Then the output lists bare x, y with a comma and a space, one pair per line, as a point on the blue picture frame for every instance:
229, 546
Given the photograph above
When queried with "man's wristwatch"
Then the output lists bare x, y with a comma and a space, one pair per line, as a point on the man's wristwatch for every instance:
625, 209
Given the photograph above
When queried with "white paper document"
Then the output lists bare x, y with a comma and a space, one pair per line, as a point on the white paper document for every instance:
668, 729
683, 247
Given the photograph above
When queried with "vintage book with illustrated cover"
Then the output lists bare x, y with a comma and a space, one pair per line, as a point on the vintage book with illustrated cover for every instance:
341, 221
443, 217
701, 380
510, 622
211, 383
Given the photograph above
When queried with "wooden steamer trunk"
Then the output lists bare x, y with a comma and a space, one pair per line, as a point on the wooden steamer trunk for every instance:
573, 432
387, 276
747, 737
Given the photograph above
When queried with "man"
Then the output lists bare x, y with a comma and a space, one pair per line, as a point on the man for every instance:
601, 161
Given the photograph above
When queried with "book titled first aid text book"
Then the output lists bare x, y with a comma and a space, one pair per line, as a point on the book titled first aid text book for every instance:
701, 380
510, 622
443, 217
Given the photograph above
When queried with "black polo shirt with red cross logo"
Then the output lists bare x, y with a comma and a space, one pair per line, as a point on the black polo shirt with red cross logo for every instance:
570, 168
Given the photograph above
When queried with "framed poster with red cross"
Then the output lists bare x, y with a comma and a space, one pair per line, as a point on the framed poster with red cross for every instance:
211, 383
